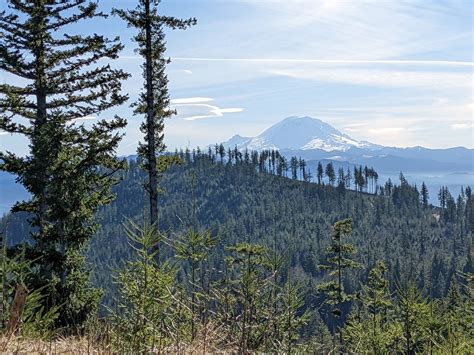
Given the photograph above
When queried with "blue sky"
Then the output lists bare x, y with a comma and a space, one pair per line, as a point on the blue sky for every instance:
396, 73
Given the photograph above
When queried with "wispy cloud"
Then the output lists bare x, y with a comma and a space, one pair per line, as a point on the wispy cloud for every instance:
386, 130
330, 61
196, 108
462, 126
380, 77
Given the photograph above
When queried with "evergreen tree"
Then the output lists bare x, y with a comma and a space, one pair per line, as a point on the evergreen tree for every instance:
372, 332
414, 315
340, 261
148, 305
330, 173
154, 102
424, 195
292, 317
195, 248
348, 178
320, 173
294, 168
69, 168
251, 291
443, 196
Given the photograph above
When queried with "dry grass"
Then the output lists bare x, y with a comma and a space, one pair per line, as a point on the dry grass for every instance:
19, 345
208, 341
73, 345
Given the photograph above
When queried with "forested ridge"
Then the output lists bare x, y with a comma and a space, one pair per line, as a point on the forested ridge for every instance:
240, 204
237, 202
201, 251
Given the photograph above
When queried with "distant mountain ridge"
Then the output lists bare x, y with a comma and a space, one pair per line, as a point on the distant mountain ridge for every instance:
300, 133
312, 139
315, 140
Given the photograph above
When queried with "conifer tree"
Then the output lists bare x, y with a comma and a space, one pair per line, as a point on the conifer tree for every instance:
154, 102
251, 294
69, 168
414, 315
195, 248
372, 332
148, 304
340, 261
424, 195
293, 318
348, 178
330, 173
320, 173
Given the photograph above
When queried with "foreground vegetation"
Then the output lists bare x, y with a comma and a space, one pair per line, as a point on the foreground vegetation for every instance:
253, 265
227, 253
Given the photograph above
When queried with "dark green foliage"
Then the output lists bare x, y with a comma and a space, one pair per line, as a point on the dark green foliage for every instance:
330, 173
292, 319
320, 173
413, 314
15, 270
149, 307
250, 295
69, 168
424, 195
154, 101
340, 258
238, 204
369, 329
340, 261
195, 248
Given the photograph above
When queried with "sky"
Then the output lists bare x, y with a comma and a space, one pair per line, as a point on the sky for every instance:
396, 73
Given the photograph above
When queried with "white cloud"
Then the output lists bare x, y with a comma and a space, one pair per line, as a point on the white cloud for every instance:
231, 110
386, 130
462, 126
191, 100
3, 133
330, 61
192, 112
379, 77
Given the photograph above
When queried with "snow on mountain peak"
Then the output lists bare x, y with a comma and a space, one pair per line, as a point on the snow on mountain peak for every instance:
298, 133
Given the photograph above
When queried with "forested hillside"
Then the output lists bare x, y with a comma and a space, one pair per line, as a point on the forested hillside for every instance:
218, 251
240, 201
237, 203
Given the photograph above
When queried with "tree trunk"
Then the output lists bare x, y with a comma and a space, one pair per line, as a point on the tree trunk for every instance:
150, 121
17, 310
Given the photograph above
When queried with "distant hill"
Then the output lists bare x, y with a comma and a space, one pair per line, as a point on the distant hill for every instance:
314, 140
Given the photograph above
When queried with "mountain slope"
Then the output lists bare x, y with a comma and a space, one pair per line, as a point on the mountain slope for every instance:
238, 204
315, 140
299, 133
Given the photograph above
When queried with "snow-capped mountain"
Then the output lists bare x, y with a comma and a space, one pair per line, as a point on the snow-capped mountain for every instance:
316, 141
300, 133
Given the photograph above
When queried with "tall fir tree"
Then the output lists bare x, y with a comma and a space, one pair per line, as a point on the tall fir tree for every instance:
330, 173
154, 101
69, 170
370, 329
424, 195
340, 262
320, 173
